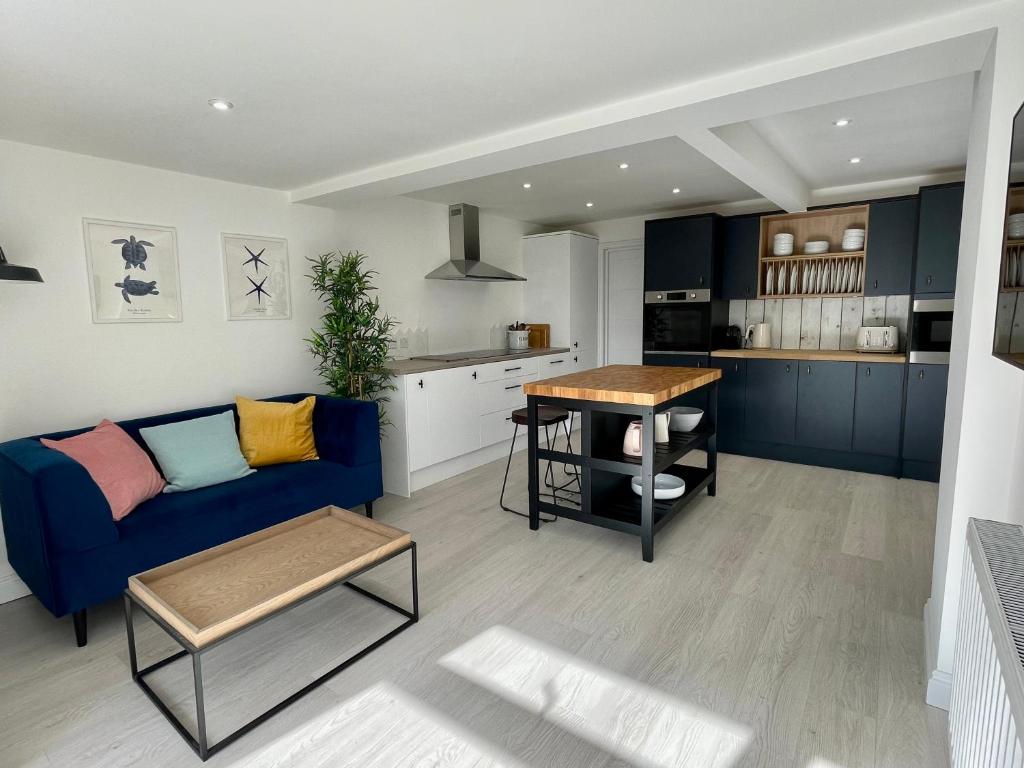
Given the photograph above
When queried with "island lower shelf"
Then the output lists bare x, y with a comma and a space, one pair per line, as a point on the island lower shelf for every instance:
618, 508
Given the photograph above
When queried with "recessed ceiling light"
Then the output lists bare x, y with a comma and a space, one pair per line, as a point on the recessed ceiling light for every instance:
222, 105
841, 122
623, 166
675, 190
590, 204
854, 160
527, 185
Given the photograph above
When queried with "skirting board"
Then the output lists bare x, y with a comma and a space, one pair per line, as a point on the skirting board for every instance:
940, 683
11, 587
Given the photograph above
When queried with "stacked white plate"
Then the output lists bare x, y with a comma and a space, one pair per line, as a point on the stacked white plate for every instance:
1015, 226
853, 239
816, 246
783, 244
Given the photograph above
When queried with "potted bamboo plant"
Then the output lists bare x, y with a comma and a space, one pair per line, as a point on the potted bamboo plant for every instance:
351, 346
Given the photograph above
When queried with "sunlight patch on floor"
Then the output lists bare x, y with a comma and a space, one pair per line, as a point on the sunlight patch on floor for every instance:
380, 727
628, 719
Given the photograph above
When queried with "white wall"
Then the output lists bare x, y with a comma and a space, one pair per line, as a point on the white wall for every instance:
406, 238
61, 371
982, 451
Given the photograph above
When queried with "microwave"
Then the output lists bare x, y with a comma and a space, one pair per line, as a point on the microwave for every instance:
683, 321
931, 332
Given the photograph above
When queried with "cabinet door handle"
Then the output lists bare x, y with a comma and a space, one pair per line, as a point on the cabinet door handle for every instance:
517, 368
508, 418
474, 374
576, 345
787, 367
920, 374
868, 371
808, 369
736, 367
874, 284
575, 359
555, 362
928, 280
514, 386
421, 383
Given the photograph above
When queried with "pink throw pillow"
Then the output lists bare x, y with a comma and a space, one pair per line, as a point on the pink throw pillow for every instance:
116, 463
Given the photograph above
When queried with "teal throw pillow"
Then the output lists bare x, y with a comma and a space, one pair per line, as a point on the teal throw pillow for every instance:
198, 452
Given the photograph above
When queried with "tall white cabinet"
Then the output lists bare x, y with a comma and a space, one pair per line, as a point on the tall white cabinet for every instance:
561, 289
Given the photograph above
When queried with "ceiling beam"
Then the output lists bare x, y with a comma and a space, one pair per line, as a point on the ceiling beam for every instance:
941, 47
742, 152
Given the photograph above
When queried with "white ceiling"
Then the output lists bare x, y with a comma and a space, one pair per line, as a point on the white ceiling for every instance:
324, 88
560, 190
913, 131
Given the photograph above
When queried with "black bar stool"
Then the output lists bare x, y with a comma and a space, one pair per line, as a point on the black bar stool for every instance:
547, 415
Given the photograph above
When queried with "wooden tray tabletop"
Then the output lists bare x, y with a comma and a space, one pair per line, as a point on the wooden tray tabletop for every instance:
215, 592
630, 384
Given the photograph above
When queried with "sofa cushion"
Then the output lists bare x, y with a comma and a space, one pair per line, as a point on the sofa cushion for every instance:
276, 433
198, 452
116, 463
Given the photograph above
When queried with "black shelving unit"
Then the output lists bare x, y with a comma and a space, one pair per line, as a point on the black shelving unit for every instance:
607, 499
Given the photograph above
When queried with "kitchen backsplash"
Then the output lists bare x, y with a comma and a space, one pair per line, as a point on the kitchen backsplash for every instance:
821, 323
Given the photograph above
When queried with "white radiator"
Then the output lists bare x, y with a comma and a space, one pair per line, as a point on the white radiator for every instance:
986, 712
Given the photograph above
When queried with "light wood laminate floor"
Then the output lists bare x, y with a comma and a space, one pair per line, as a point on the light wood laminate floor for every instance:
779, 625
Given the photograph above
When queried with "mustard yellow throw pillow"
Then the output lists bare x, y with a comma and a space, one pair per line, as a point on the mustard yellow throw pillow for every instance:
275, 433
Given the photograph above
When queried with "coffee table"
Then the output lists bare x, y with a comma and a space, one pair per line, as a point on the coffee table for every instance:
212, 596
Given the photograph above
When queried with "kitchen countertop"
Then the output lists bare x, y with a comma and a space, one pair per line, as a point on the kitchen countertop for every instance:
631, 384
403, 367
812, 354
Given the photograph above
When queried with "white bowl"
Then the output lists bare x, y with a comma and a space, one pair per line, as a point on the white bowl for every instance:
665, 486
684, 418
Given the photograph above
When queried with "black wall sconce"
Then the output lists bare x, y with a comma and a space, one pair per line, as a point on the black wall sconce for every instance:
11, 272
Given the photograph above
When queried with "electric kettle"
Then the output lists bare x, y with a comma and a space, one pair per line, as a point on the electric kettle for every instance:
759, 335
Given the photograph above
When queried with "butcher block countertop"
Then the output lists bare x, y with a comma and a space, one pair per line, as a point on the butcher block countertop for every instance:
632, 384
847, 356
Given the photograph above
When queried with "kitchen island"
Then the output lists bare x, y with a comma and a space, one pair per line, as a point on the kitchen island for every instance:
608, 399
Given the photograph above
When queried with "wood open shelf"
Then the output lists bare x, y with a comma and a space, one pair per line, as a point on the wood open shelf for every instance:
810, 225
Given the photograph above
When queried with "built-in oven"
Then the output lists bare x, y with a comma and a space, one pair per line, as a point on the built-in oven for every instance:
931, 331
683, 321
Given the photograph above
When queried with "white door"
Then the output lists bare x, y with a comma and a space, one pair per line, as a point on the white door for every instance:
624, 305
454, 412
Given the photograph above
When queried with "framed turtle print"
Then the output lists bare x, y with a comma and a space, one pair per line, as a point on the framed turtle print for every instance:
133, 272
256, 277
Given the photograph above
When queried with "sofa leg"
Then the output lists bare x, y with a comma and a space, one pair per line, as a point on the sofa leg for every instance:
78, 617
369, 509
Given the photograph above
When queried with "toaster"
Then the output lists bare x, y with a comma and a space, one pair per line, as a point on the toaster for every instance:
878, 338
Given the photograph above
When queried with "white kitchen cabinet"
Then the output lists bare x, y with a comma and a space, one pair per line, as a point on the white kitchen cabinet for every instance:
561, 289
417, 420
452, 410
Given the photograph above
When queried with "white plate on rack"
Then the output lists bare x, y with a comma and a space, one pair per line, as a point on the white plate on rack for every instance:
769, 278
794, 275
782, 278
666, 486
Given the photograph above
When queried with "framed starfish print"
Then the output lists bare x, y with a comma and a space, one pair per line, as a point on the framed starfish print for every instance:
133, 272
256, 277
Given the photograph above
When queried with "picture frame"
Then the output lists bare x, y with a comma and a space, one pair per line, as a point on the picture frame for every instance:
257, 284
133, 272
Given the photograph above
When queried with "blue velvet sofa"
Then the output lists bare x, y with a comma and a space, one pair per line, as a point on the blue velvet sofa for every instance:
64, 544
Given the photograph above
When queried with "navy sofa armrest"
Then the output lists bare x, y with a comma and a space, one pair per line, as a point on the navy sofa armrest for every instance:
346, 431
52, 495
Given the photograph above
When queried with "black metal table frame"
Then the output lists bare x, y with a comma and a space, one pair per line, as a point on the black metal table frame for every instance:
584, 459
199, 742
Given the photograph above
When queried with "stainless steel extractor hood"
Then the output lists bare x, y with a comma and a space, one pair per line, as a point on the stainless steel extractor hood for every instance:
464, 241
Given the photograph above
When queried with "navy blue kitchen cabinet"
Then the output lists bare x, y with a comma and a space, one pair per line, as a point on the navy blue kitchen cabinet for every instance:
926, 411
680, 253
732, 401
878, 407
938, 238
892, 233
771, 401
741, 238
824, 404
